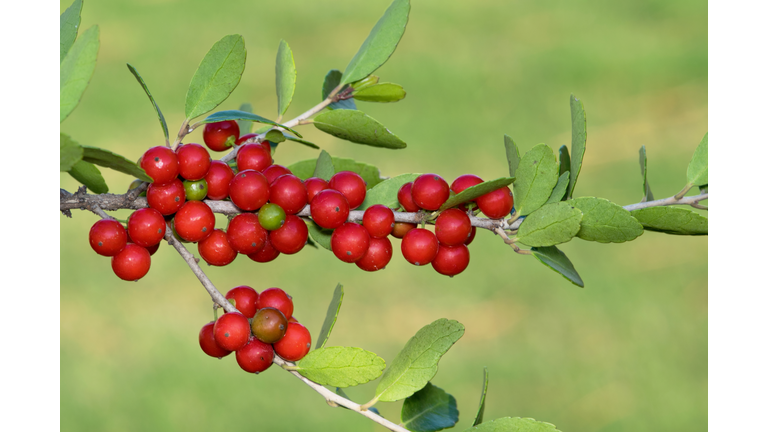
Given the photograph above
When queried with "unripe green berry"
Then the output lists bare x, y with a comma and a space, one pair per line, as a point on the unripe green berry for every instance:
271, 216
196, 190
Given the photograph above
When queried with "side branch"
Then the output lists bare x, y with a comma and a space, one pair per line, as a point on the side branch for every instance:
692, 201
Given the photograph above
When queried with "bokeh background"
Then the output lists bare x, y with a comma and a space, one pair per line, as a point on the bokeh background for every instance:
626, 353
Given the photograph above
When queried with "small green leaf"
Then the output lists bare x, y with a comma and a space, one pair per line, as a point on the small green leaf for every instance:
370, 174
324, 166
87, 174
357, 127
513, 424
698, 170
386, 192
331, 81
320, 235
558, 193
245, 125
481, 408
605, 222
476, 191
114, 161
555, 259
565, 160
672, 220
330, 316
550, 225
70, 152
151, 99
363, 83
384, 92
285, 77
290, 137
429, 409
513, 155
242, 115
647, 194
217, 76
536, 177
274, 136
416, 364
76, 71
380, 43
341, 366
578, 140
69, 22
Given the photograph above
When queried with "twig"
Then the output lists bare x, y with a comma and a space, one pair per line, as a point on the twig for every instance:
673, 200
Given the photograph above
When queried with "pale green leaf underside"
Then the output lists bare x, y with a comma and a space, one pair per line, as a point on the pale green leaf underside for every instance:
550, 225
383, 92
647, 194
76, 70
605, 222
386, 192
513, 155
87, 174
320, 235
217, 76
114, 161
357, 127
429, 409
555, 259
151, 99
324, 167
242, 115
535, 177
245, 125
274, 136
69, 22
285, 77
578, 140
330, 316
698, 170
560, 188
370, 174
513, 424
476, 191
341, 366
481, 407
70, 152
672, 220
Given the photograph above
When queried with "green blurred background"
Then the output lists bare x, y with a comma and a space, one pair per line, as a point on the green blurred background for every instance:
626, 353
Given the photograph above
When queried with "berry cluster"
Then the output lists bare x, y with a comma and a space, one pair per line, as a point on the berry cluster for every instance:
264, 325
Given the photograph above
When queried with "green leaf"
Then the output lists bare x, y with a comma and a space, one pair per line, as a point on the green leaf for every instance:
341, 366
324, 166
285, 77
429, 409
672, 220
481, 408
330, 316
363, 83
370, 174
386, 192
514, 424
380, 43
536, 177
550, 225
114, 161
698, 170
565, 160
416, 364
558, 193
331, 81
605, 222
69, 22
357, 127
290, 137
217, 76
513, 155
647, 194
476, 191
320, 235
76, 70
242, 115
384, 92
555, 259
245, 125
151, 99
70, 152
578, 140
274, 136
87, 174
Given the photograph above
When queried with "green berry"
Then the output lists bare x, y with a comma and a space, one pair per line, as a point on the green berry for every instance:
271, 216
196, 190
269, 325
136, 183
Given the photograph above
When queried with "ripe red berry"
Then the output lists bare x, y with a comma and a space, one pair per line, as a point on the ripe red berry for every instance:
166, 199
246, 137
107, 237
465, 181
276, 298
471, 236
351, 185
295, 344
453, 227
350, 241
161, 164
419, 246
208, 344
146, 227
379, 220
269, 325
256, 356
451, 260
220, 136
401, 229
231, 331
216, 250
378, 255
245, 234
265, 254
249, 190
496, 204
246, 299
329, 209
218, 178
430, 191
288, 192
131, 263
405, 199
291, 237
194, 161
253, 156
274, 171
314, 185
194, 221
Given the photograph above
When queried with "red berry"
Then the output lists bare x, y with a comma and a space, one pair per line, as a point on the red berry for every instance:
218, 178
216, 250
208, 344
465, 181
166, 199
451, 260
256, 356
378, 255
249, 190
314, 185
231, 331
401, 229
194, 161
107, 237
329, 209
471, 236
153, 249
276, 298
265, 254
220, 136
253, 156
291, 237
349, 242
194, 221
378, 220
161, 164
419, 246
295, 344
288, 192
246, 299
245, 234
274, 171
496, 204
351, 185
146, 227
245, 137
405, 199
131, 263
430, 191
453, 227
